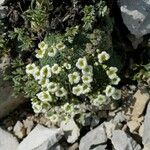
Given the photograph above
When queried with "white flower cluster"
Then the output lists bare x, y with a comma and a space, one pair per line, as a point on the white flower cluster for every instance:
80, 81
43, 76
83, 78
52, 50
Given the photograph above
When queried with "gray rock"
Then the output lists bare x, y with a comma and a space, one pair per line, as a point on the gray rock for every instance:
110, 126
136, 16
56, 147
119, 118
7, 141
122, 141
28, 124
19, 130
90, 120
2, 1
75, 146
7, 102
95, 139
71, 131
41, 138
141, 130
146, 133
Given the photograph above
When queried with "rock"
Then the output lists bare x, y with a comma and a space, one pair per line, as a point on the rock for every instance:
10, 128
141, 130
56, 147
7, 141
95, 121
119, 118
136, 16
135, 41
71, 131
95, 138
133, 125
19, 130
141, 100
28, 124
122, 141
90, 120
147, 147
41, 138
7, 102
2, 1
75, 146
109, 127
146, 133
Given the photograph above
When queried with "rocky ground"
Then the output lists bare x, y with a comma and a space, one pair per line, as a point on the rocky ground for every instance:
124, 127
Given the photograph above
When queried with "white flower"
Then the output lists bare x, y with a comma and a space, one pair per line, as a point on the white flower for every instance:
43, 82
68, 107
111, 72
56, 69
45, 71
60, 46
87, 79
44, 96
45, 106
86, 88
74, 77
109, 90
36, 74
115, 80
61, 92
67, 66
116, 95
40, 53
42, 45
103, 56
99, 100
52, 87
52, 51
37, 108
87, 70
81, 63
77, 90
54, 118
30, 68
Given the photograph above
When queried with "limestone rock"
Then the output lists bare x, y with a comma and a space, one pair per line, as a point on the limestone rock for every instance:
136, 16
71, 131
2, 1
41, 138
7, 141
19, 130
28, 124
109, 127
141, 100
119, 118
122, 141
133, 125
7, 102
146, 133
141, 130
95, 138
